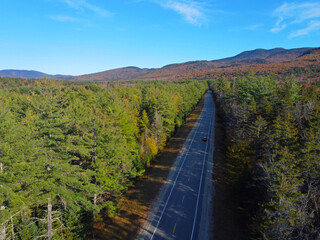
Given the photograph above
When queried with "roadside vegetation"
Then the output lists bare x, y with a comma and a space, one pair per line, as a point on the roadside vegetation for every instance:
69, 151
273, 152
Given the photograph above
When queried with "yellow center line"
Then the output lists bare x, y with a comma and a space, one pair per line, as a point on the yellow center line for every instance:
182, 198
174, 229
188, 179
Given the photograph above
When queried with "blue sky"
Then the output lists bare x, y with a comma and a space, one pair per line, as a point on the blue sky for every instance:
85, 36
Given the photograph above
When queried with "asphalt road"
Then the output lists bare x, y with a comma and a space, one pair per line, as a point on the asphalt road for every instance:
183, 209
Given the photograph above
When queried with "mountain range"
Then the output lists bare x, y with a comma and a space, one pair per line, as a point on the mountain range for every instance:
247, 60
28, 74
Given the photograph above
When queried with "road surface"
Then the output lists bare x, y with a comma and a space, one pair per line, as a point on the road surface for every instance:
183, 209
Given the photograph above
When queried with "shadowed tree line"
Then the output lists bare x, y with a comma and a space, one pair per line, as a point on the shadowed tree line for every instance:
69, 150
273, 152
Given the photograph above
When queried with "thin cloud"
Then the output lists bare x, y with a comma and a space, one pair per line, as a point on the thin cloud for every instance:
64, 19
299, 15
279, 26
253, 27
313, 26
191, 11
84, 5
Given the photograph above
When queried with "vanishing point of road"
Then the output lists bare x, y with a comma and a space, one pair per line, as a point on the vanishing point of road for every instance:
183, 208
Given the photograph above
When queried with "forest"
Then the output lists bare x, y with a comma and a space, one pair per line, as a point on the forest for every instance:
273, 152
70, 150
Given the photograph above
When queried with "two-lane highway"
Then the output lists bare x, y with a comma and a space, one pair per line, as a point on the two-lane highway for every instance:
183, 208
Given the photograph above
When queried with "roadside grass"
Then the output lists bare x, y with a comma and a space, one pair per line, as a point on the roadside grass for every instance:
136, 202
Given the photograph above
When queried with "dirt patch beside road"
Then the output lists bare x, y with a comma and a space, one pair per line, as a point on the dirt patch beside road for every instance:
137, 201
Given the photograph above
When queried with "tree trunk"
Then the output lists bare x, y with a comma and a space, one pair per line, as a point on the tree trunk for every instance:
95, 199
3, 232
95, 161
12, 228
49, 220
1, 207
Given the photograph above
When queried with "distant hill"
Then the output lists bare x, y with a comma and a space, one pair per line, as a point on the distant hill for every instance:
268, 55
126, 73
249, 60
27, 74
22, 74
254, 54
245, 61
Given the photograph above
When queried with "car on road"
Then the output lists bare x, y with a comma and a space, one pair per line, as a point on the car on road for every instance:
204, 139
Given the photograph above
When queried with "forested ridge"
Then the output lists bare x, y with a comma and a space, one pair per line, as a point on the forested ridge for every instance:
69, 150
273, 152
